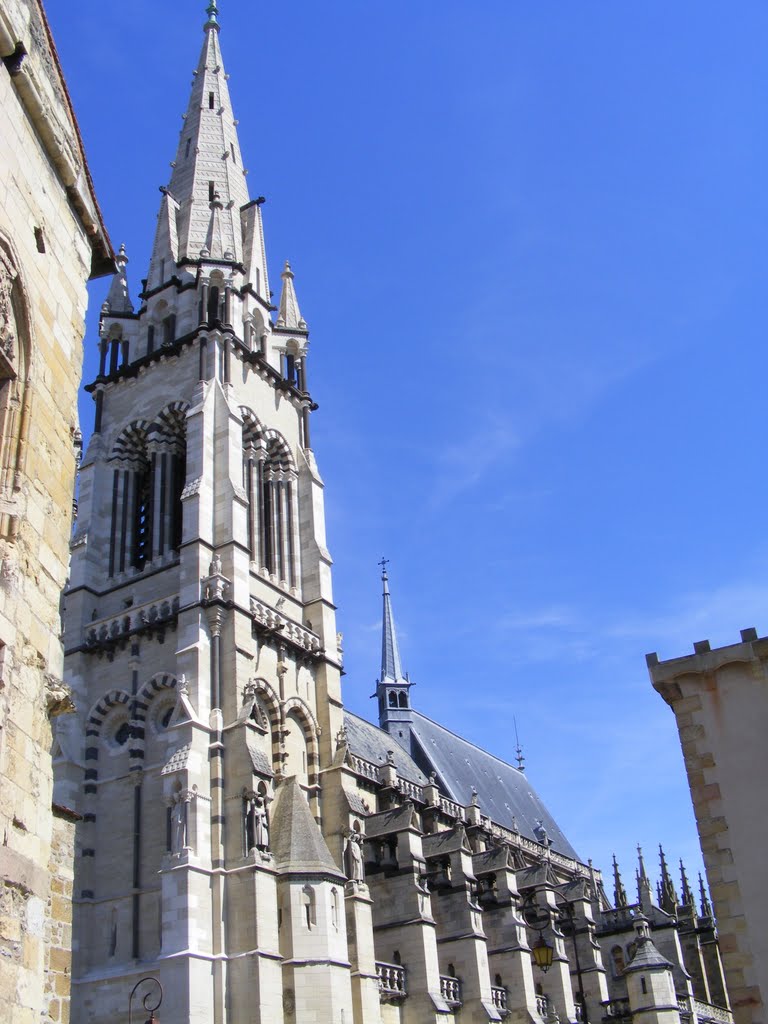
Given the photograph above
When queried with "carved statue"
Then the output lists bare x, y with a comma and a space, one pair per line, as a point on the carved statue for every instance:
355, 867
256, 823
214, 569
179, 824
7, 318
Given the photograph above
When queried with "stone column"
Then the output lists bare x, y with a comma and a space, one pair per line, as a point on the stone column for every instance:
362, 958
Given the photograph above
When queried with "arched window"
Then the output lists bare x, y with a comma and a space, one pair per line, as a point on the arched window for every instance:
335, 909
270, 481
617, 958
149, 475
14, 369
308, 906
296, 748
392, 699
403, 699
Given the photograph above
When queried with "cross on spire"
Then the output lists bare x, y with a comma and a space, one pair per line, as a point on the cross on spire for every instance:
384, 563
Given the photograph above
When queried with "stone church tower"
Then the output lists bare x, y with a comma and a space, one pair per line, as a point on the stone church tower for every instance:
200, 628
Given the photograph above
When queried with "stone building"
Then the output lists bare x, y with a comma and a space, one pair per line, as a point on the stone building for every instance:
720, 701
268, 856
52, 241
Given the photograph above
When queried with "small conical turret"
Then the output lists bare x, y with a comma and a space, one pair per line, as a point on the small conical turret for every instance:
619, 892
289, 314
667, 894
118, 299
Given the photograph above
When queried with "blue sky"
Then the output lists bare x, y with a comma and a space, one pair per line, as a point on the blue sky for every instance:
529, 242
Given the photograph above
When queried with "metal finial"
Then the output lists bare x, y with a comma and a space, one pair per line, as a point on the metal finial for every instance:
384, 563
212, 10
520, 757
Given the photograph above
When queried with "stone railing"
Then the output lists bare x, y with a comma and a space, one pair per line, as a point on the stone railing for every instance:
410, 789
579, 1012
708, 1012
450, 990
391, 982
116, 629
499, 999
292, 631
450, 808
365, 768
616, 1009
542, 1006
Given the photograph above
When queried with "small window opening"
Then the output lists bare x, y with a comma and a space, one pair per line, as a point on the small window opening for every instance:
213, 306
122, 734
165, 718
211, 191
186, 151
211, 100
39, 239
497, 981
393, 700
403, 700
150, 339
169, 329
232, 151
643, 986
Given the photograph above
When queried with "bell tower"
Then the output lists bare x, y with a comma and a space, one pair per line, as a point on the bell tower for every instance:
200, 629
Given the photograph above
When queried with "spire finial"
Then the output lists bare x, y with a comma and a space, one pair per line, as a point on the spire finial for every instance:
212, 10
641, 873
519, 756
686, 894
391, 669
619, 892
667, 895
706, 906
384, 563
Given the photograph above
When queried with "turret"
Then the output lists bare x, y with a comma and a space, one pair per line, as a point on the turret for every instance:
392, 687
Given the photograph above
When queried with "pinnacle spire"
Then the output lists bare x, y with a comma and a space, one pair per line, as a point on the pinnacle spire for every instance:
644, 888
118, 299
685, 889
391, 669
207, 163
289, 314
667, 893
619, 892
706, 906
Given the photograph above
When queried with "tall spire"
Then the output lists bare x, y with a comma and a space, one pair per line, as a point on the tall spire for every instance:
208, 162
289, 314
644, 888
619, 892
391, 670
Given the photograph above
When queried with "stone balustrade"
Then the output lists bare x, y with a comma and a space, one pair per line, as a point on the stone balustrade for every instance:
499, 999
450, 990
391, 982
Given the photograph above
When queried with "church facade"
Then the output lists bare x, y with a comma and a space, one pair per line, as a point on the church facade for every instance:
265, 855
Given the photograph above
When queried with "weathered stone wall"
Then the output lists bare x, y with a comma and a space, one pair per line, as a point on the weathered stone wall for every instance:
49, 231
720, 701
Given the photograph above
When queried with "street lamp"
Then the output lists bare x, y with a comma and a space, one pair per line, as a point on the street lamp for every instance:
543, 952
155, 992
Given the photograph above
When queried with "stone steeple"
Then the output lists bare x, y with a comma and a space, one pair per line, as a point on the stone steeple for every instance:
619, 892
393, 685
118, 298
391, 670
667, 894
204, 211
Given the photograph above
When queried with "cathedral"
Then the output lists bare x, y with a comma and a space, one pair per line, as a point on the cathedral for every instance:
264, 855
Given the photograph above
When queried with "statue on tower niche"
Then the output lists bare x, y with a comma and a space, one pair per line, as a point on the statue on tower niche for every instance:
355, 867
256, 823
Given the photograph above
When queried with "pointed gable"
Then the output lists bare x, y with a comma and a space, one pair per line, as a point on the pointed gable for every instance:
296, 841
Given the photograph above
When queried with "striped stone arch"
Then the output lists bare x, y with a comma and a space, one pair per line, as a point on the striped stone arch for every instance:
170, 425
145, 696
310, 728
131, 442
270, 700
279, 457
93, 724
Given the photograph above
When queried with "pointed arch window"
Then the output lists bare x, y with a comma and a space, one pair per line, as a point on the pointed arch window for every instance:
149, 475
14, 395
270, 481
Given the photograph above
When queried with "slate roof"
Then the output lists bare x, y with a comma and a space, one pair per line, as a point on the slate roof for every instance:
503, 792
371, 743
647, 956
296, 842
